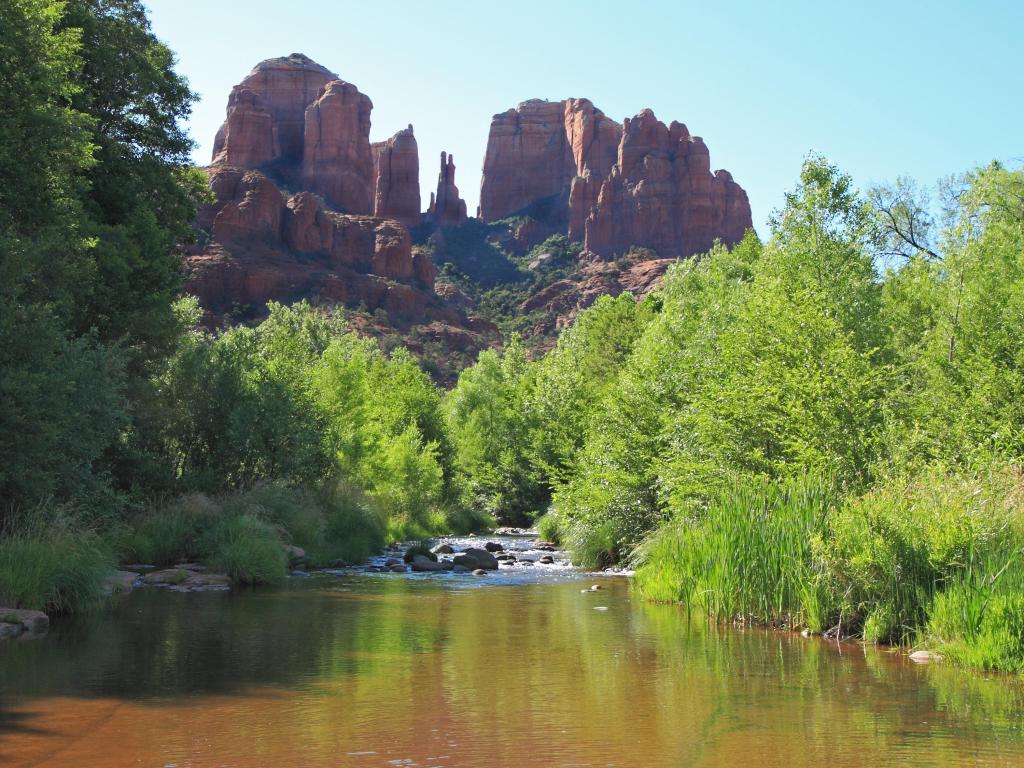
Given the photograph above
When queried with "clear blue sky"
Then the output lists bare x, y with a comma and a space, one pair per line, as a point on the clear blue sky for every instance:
881, 88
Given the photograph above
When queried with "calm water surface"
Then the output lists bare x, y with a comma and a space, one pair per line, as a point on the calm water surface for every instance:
391, 670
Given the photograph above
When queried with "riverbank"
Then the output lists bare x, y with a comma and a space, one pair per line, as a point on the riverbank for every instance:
931, 563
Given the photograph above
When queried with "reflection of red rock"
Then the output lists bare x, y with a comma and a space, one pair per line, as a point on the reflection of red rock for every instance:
446, 207
613, 187
397, 173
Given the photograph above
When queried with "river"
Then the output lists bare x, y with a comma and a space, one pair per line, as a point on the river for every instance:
521, 667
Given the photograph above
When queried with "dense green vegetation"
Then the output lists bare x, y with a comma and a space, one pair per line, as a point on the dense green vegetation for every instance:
819, 430
126, 431
787, 435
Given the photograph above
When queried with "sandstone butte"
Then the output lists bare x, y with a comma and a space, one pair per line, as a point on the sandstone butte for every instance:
609, 185
292, 124
341, 231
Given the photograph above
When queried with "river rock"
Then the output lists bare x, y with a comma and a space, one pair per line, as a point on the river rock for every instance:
475, 557
479, 572
9, 630
119, 582
294, 553
166, 576
184, 580
35, 623
546, 560
397, 569
443, 549
421, 563
391, 561
459, 568
924, 657
493, 546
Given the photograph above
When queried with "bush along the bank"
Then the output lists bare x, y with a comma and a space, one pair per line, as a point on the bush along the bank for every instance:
934, 560
248, 534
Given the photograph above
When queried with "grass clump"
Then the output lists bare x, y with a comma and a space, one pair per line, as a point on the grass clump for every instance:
549, 528
246, 548
747, 556
890, 553
56, 570
171, 533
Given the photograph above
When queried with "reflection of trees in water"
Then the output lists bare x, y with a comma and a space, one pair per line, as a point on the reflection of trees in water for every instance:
159, 644
499, 660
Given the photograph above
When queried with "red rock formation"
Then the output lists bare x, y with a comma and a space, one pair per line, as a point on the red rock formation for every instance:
423, 268
397, 173
661, 195
535, 151
285, 87
446, 207
296, 119
336, 160
612, 187
248, 208
252, 239
248, 138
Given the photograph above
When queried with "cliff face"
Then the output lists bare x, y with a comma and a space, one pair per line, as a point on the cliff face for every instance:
612, 187
284, 88
397, 170
341, 233
446, 207
344, 237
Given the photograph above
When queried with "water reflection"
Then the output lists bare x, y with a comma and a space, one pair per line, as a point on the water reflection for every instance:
376, 671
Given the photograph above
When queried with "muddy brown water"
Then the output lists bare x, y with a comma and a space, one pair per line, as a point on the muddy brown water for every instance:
516, 668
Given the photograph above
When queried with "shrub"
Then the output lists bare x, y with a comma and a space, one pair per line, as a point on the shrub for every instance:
247, 549
890, 552
56, 570
549, 528
298, 514
354, 527
169, 534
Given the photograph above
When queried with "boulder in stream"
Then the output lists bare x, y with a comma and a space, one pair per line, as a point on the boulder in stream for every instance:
15, 622
423, 564
477, 558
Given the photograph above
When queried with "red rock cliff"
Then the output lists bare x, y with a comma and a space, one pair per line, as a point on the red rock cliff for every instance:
611, 186
336, 159
397, 173
446, 207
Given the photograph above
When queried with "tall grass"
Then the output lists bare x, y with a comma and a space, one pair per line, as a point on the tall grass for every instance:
54, 569
549, 528
247, 549
978, 620
936, 559
747, 556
